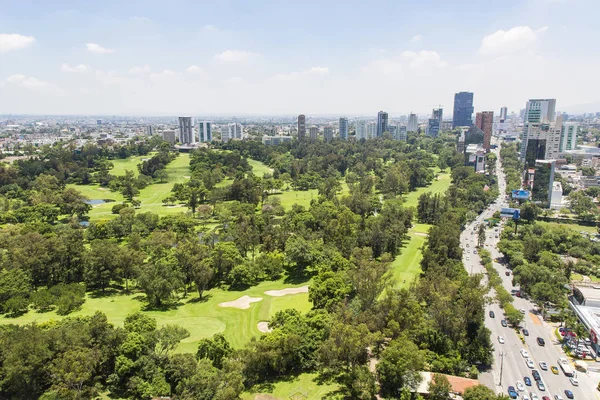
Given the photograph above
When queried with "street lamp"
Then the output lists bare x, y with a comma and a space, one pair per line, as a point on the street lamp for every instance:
502, 354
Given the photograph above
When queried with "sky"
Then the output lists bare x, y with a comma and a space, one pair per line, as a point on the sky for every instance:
283, 57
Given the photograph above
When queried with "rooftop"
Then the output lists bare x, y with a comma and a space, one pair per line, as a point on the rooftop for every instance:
459, 384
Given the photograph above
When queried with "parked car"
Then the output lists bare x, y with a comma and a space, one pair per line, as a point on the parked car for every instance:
503, 323
554, 370
527, 381
507, 273
574, 381
529, 363
520, 386
525, 332
500, 340
512, 393
524, 353
541, 386
543, 366
492, 315
534, 396
558, 397
541, 341
522, 311
536, 375
545, 398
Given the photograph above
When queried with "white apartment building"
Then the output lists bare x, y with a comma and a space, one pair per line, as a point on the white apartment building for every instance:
361, 130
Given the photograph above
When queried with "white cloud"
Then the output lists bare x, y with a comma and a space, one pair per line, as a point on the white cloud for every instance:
194, 69
73, 68
140, 19
209, 28
423, 59
28, 82
514, 39
109, 77
234, 55
97, 49
14, 41
417, 38
141, 69
235, 79
389, 67
165, 73
291, 76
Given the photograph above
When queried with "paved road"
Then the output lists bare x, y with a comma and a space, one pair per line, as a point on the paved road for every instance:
514, 366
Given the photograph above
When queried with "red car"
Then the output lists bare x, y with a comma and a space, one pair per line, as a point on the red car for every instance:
545, 398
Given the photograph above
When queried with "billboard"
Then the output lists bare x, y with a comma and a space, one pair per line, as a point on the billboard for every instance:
520, 194
513, 213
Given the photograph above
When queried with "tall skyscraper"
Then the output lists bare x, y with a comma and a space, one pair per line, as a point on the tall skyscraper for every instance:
343, 128
463, 109
485, 121
361, 130
328, 133
503, 114
413, 123
540, 110
371, 130
186, 130
234, 131
301, 126
149, 130
434, 125
313, 132
382, 123
568, 136
205, 131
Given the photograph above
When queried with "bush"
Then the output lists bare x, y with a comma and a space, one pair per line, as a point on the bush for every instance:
118, 207
67, 298
16, 306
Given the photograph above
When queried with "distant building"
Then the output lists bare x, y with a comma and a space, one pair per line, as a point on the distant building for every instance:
434, 124
460, 144
276, 140
98, 122
485, 121
234, 130
540, 180
371, 130
186, 130
540, 110
541, 141
463, 109
568, 136
149, 130
169, 136
475, 156
503, 114
328, 133
205, 131
401, 133
413, 123
393, 129
314, 132
361, 130
301, 126
343, 128
382, 123
556, 196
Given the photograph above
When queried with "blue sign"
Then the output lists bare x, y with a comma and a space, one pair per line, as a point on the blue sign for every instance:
513, 213
520, 194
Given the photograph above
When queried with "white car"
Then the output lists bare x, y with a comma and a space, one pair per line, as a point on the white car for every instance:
534, 396
529, 363
500, 339
574, 381
524, 353
522, 310
520, 386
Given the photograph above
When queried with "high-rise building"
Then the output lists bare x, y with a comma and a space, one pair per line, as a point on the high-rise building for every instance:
540, 180
301, 126
328, 133
463, 109
568, 136
413, 123
234, 131
313, 132
503, 114
485, 121
205, 131
149, 130
361, 130
98, 122
540, 142
540, 110
401, 133
434, 125
186, 130
382, 123
169, 136
343, 128
371, 130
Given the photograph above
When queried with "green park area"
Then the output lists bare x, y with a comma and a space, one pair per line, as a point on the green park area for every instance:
440, 184
303, 386
201, 318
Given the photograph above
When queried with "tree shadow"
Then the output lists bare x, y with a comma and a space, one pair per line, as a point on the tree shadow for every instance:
297, 278
204, 299
163, 307
108, 292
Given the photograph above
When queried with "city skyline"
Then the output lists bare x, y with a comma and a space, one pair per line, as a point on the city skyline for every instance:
242, 59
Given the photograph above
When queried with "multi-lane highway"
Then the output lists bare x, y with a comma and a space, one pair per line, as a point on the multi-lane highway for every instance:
507, 356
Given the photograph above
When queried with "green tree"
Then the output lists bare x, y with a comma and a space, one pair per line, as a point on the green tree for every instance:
399, 367
162, 175
216, 349
513, 316
481, 235
72, 372
439, 387
159, 279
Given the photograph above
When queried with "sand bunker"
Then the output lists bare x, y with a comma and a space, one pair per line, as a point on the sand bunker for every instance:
263, 326
242, 303
283, 292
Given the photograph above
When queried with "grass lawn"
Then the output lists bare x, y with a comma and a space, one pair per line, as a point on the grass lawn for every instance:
439, 185
259, 168
151, 196
578, 277
407, 265
130, 163
202, 319
575, 227
303, 383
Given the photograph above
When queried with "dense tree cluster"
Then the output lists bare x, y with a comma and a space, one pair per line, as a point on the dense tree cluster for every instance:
511, 165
